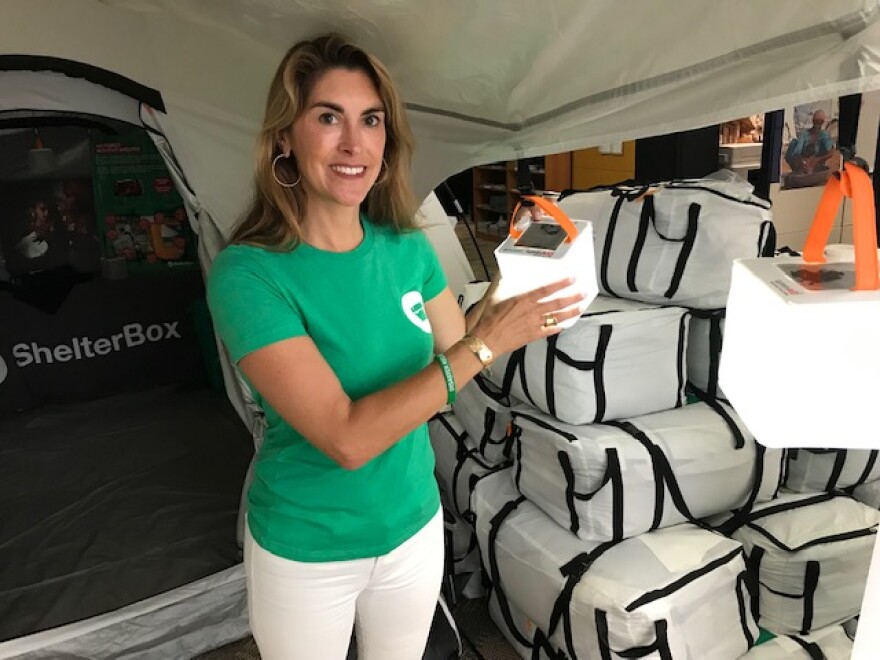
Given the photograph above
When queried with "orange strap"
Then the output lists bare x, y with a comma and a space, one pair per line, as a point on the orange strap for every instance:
550, 209
852, 182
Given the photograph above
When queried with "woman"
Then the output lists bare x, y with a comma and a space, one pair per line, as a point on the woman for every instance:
334, 317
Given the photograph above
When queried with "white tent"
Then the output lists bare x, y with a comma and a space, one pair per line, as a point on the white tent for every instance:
482, 82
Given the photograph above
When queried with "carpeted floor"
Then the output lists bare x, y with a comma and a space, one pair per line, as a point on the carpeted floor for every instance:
481, 638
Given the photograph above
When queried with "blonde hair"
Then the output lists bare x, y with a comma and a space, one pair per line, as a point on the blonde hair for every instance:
274, 216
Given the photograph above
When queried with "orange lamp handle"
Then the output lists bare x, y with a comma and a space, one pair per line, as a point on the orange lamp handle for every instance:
852, 182
550, 209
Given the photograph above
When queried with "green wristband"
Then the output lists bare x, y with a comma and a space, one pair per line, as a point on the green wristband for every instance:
447, 376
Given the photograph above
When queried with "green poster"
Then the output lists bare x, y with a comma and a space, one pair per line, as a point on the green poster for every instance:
141, 217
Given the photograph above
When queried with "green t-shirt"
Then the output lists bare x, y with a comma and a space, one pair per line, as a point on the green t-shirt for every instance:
364, 311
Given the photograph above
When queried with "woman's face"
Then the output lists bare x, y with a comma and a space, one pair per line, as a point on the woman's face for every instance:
339, 140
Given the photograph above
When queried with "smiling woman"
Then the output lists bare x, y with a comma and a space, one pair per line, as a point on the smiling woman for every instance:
336, 311
339, 149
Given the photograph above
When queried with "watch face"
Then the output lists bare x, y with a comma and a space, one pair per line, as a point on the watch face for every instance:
480, 350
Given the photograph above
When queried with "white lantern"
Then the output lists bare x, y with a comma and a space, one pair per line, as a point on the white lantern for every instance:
548, 250
801, 357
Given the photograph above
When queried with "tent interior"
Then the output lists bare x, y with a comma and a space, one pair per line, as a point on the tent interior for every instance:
121, 458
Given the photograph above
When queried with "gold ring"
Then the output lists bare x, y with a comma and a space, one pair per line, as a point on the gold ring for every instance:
550, 321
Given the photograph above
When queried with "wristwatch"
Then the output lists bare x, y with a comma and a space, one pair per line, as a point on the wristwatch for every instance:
478, 347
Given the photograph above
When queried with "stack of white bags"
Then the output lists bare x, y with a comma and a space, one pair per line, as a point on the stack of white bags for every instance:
612, 517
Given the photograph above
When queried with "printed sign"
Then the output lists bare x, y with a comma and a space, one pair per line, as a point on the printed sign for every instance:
140, 213
47, 224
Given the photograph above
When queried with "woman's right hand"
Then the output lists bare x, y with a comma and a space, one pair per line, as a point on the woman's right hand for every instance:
516, 321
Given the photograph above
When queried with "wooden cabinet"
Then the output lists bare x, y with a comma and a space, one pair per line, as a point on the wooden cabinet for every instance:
592, 167
496, 195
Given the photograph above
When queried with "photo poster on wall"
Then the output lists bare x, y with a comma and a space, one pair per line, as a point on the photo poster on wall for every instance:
810, 150
48, 224
141, 216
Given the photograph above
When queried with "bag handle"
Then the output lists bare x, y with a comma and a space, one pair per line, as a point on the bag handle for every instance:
550, 209
852, 182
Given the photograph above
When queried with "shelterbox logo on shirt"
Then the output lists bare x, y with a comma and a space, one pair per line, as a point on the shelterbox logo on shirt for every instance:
4, 370
84, 348
414, 308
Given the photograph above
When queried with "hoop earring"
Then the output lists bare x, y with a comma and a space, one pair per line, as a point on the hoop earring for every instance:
384, 176
279, 181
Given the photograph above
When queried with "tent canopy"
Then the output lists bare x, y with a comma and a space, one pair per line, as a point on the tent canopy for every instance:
482, 81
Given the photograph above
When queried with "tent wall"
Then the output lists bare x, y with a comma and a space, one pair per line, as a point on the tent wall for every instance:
551, 78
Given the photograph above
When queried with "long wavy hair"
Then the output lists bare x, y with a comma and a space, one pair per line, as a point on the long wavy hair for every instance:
274, 216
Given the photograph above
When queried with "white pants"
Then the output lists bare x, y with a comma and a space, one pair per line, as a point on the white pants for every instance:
306, 611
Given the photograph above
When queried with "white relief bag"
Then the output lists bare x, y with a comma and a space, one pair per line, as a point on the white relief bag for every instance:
816, 470
618, 479
807, 557
673, 243
621, 359
677, 592
818, 316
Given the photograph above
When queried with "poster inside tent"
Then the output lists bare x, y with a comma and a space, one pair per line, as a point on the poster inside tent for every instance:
48, 224
140, 213
809, 144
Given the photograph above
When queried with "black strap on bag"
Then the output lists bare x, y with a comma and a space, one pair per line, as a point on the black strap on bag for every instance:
715, 344
721, 410
463, 454
810, 648
613, 476
648, 217
753, 577
541, 639
767, 240
750, 521
516, 364
606, 248
660, 645
693, 184
597, 366
573, 571
672, 587
629, 188
740, 516
489, 418
495, 575
741, 587
680, 393
866, 473
841, 456
836, 470
715, 317
542, 643
811, 583
645, 219
502, 398
505, 441
488, 388
661, 465
467, 513
686, 248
